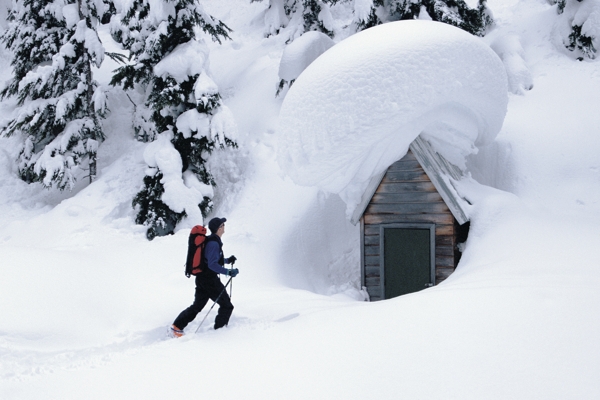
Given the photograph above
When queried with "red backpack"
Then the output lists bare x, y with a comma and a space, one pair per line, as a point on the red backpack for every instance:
196, 243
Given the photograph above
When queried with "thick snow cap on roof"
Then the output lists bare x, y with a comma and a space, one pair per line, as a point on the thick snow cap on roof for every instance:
356, 109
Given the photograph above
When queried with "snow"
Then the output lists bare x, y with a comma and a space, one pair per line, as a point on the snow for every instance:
274, 17
159, 10
92, 43
301, 52
362, 9
180, 194
356, 109
194, 122
204, 86
223, 124
71, 14
511, 52
588, 17
86, 299
185, 60
585, 14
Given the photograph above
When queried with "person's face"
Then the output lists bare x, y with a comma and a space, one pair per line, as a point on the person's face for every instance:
221, 230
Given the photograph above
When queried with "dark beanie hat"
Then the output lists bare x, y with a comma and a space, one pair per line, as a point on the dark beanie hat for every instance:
215, 223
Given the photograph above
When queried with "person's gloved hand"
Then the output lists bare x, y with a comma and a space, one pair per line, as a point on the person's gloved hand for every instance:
233, 272
232, 260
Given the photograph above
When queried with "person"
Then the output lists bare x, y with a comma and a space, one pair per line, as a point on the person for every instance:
208, 283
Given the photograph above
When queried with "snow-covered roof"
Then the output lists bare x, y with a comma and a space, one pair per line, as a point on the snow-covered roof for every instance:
358, 107
440, 171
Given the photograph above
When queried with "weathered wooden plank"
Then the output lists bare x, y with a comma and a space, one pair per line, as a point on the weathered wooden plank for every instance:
374, 289
372, 281
444, 240
444, 261
374, 292
397, 187
444, 251
372, 250
405, 176
442, 273
372, 230
406, 165
372, 271
371, 261
442, 219
444, 230
440, 239
371, 240
408, 208
407, 197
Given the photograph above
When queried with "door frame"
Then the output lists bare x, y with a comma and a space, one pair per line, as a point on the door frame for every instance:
407, 225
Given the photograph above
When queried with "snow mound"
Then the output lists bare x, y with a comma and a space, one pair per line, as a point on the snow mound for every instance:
187, 59
302, 52
510, 51
356, 108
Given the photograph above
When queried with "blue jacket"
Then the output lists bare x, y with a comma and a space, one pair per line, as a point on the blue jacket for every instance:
213, 252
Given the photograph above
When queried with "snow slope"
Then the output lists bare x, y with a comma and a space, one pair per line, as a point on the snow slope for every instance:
86, 299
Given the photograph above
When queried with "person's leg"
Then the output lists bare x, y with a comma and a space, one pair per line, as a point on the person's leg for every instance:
200, 299
225, 310
218, 294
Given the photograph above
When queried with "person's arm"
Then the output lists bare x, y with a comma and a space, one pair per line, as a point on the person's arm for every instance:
212, 258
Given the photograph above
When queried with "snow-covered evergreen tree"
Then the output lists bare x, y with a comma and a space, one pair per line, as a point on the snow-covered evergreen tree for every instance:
370, 13
34, 34
152, 211
55, 45
170, 67
299, 16
580, 26
317, 17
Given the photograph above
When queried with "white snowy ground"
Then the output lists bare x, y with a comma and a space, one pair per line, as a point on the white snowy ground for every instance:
85, 299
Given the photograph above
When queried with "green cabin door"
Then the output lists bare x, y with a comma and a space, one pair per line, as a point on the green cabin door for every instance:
408, 254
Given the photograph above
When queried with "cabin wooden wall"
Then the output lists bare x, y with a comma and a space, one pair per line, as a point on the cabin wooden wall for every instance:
406, 195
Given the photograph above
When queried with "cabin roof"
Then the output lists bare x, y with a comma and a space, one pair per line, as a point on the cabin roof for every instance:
440, 171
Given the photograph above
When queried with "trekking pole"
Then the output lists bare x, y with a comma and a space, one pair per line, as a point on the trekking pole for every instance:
216, 300
231, 284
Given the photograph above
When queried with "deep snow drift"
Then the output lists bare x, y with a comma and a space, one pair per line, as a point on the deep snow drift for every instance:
86, 299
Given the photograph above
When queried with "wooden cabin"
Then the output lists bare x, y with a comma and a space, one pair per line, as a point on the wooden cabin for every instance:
412, 220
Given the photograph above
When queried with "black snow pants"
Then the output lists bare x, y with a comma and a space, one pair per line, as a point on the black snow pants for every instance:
207, 288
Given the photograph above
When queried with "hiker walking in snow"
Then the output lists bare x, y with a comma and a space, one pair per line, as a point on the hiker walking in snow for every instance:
208, 284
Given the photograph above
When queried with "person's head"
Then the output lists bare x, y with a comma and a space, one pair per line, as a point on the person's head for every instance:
217, 226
